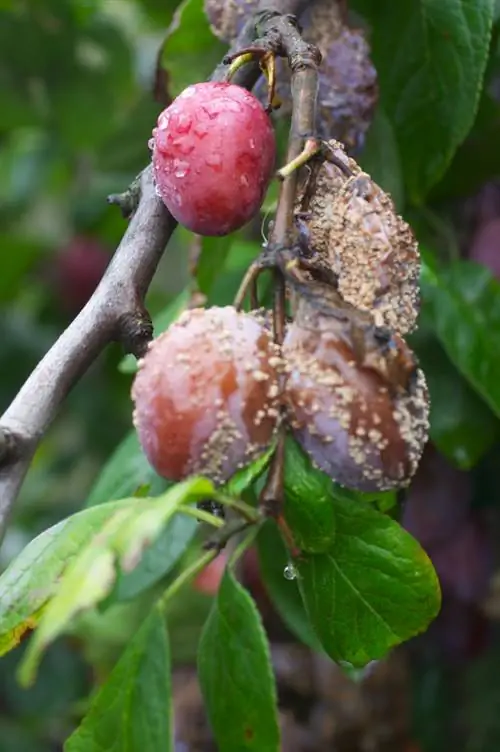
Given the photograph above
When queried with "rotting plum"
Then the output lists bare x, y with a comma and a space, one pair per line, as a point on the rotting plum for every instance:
356, 402
214, 152
353, 228
348, 90
206, 394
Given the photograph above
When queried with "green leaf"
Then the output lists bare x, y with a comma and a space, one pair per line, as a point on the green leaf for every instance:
374, 589
465, 432
310, 497
184, 62
158, 559
309, 508
431, 58
125, 474
380, 158
463, 303
214, 252
32, 579
246, 477
126, 471
89, 577
128, 364
132, 710
283, 592
236, 678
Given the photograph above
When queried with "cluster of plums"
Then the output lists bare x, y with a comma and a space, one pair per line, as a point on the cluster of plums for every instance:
211, 391
208, 395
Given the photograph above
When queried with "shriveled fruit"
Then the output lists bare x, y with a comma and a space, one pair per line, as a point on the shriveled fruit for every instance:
348, 90
353, 228
206, 394
213, 156
227, 17
356, 402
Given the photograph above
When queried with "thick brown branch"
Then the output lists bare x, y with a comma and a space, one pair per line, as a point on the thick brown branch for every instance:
115, 311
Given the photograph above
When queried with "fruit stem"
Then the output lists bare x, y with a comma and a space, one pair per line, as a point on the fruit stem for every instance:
186, 576
219, 540
202, 516
311, 148
236, 62
250, 514
243, 545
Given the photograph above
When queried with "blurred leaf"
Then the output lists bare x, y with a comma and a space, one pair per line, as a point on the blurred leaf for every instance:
374, 589
32, 578
214, 252
464, 306
126, 471
462, 426
234, 668
184, 62
430, 58
89, 577
101, 77
158, 559
284, 593
380, 158
132, 710
310, 498
160, 323
18, 254
160, 11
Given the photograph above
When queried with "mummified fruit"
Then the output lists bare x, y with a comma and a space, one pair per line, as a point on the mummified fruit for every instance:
356, 401
353, 228
213, 156
206, 394
348, 90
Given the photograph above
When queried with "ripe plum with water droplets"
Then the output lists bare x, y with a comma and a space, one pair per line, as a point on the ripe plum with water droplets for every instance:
213, 156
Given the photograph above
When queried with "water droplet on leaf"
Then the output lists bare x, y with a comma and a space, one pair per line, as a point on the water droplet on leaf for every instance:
289, 572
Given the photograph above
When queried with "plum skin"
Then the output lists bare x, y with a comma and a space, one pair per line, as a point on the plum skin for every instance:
214, 152
345, 415
206, 394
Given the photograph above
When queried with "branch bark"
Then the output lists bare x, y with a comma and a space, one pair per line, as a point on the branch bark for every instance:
115, 312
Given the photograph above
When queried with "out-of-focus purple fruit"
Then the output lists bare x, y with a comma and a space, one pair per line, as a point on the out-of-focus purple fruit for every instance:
464, 562
485, 247
79, 268
438, 500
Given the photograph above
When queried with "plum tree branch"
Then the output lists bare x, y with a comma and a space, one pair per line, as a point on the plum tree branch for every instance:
114, 312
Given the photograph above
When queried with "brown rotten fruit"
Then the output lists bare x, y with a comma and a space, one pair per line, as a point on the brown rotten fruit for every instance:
206, 394
356, 402
351, 226
213, 156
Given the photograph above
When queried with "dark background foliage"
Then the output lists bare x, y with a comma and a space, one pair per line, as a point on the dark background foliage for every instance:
77, 108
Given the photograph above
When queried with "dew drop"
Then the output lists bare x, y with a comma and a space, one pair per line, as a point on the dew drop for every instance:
201, 129
181, 168
252, 143
163, 121
184, 122
151, 144
232, 106
289, 572
214, 160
